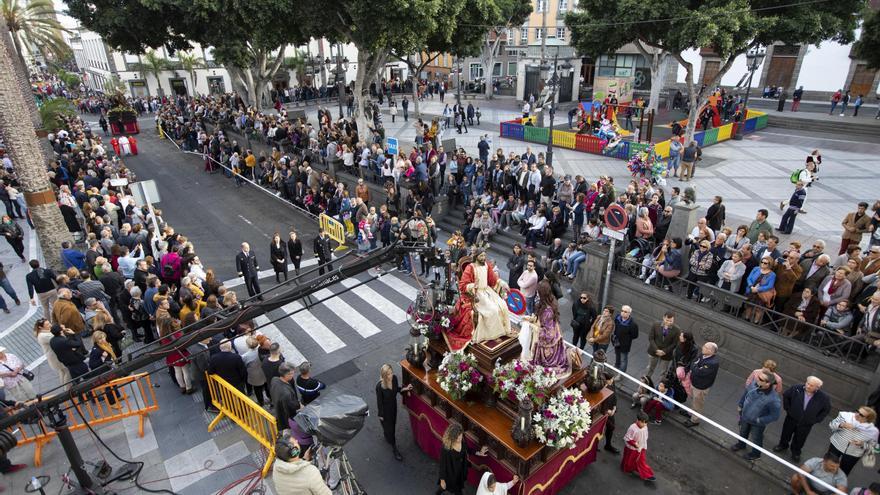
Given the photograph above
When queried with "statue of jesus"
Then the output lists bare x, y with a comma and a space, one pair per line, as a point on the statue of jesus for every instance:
480, 313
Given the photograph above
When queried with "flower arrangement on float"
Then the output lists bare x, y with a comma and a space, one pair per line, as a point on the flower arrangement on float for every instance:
564, 420
646, 164
518, 380
458, 374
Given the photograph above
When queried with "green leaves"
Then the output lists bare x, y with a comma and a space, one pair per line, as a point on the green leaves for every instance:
868, 46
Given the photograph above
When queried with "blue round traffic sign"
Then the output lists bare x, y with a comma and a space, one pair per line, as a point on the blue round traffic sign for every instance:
516, 302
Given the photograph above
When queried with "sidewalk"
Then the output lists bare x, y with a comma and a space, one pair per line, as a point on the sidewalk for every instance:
17, 335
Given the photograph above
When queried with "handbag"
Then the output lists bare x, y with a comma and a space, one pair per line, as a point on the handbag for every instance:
27, 374
869, 459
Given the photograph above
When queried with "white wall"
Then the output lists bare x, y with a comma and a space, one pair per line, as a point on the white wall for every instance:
825, 67
736, 72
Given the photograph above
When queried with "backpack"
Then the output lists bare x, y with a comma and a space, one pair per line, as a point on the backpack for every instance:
795, 176
167, 271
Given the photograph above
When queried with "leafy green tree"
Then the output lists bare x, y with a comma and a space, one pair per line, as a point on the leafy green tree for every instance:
376, 28
248, 37
33, 24
190, 62
153, 63
728, 27
508, 13
868, 46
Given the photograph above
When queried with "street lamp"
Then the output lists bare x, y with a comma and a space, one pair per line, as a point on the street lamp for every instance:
340, 70
754, 59
553, 84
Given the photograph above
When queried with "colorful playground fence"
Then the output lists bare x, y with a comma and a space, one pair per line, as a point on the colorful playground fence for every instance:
516, 129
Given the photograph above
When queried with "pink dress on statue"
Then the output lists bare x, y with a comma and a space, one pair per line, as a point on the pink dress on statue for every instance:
549, 348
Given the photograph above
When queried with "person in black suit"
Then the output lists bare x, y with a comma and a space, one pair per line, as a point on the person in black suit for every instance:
248, 268
295, 250
323, 251
229, 366
805, 405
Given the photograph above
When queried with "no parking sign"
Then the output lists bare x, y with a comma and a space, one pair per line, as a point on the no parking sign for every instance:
516, 301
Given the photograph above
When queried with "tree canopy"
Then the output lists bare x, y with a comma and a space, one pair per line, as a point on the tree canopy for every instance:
727, 27
868, 46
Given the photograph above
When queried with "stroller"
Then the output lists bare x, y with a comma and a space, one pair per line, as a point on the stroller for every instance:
332, 421
635, 254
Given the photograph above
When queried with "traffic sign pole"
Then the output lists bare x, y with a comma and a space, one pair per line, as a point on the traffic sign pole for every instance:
608, 271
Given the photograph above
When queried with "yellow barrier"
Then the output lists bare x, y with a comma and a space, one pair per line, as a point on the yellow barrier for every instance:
335, 229
565, 139
247, 414
754, 113
532, 120
134, 397
724, 132
662, 149
161, 132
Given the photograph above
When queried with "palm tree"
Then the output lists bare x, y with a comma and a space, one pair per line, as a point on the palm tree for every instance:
34, 25
154, 64
22, 144
190, 62
297, 64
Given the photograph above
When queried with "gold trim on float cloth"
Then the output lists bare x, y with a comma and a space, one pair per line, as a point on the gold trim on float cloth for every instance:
539, 486
572, 458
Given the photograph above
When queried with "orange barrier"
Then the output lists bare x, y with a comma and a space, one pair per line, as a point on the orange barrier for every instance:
135, 397
246, 413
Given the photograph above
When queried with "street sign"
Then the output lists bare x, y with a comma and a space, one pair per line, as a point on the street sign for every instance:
145, 192
614, 234
616, 217
516, 301
392, 146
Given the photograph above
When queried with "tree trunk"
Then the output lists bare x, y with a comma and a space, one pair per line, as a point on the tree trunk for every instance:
368, 68
23, 146
658, 68
414, 77
490, 48
236, 78
698, 99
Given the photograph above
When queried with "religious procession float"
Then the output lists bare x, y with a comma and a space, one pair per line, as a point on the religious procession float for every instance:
509, 380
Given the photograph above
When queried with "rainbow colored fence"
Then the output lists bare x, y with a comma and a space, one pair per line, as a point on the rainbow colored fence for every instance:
516, 129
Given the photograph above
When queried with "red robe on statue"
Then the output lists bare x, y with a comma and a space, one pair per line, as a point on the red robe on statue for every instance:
461, 329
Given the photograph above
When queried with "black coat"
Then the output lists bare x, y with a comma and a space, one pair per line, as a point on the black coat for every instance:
704, 371
816, 410
284, 401
515, 266
454, 469
230, 367
322, 249
583, 315
624, 334
294, 249
278, 257
247, 264
68, 349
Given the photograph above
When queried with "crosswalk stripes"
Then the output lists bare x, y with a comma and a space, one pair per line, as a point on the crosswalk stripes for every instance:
315, 329
361, 324
383, 305
403, 288
235, 282
291, 353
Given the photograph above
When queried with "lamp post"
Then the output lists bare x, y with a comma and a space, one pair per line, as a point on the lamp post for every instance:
458, 82
340, 70
754, 59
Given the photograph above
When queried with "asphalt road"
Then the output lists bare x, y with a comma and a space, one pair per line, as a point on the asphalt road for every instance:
216, 216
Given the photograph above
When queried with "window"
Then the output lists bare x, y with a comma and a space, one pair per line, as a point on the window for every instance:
511, 68
539, 5
476, 71
508, 35
617, 65
560, 33
539, 33
563, 6
496, 71
524, 35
